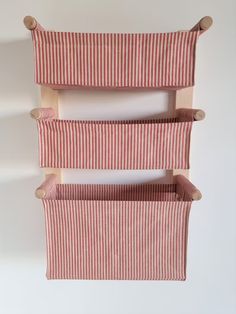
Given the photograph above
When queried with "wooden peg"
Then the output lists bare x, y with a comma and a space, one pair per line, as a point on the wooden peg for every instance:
204, 24
188, 187
190, 114
30, 22
42, 113
43, 190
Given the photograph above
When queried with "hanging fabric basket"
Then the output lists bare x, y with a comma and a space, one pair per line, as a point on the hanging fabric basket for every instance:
149, 144
65, 60
122, 232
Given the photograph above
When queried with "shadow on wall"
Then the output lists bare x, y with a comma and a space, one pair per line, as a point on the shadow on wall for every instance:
17, 71
18, 142
21, 218
18, 96
92, 176
113, 104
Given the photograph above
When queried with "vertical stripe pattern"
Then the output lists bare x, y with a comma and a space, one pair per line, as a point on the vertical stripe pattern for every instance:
114, 144
164, 60
117, 192
123, 239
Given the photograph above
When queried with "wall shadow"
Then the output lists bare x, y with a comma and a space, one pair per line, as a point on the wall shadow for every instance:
16, 63
18, 141
95, 104
21, 218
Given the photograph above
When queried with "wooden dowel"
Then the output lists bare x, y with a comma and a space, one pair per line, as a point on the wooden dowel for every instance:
30, 22
43, 190
204, 24
190, 114
188, 187
42, 113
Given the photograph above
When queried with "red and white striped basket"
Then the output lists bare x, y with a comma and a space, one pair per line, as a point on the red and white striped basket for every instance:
149, 144
119, 232
65, 59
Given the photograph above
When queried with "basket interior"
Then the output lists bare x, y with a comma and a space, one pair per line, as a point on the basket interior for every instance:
116, 192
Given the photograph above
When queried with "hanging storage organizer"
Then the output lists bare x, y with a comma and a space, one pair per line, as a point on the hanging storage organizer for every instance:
116, 231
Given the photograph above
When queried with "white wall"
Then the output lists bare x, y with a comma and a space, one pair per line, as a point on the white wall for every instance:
211, 283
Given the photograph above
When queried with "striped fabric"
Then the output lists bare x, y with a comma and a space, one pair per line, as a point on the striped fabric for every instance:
165, 60
116, 192
147, 144
108, 238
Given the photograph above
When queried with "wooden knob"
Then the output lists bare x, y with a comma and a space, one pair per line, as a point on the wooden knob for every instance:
30, 22
35, 114
196, 195
44, 189
40, 193
186, 114
199, 115
188, 188
205, 23
42, 113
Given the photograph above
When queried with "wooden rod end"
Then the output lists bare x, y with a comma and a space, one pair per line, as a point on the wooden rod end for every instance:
42, 113
205, 23
44, 189
193, 193
35, 114
30, 22
186, 114
199, 115
40, 193
196, 195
